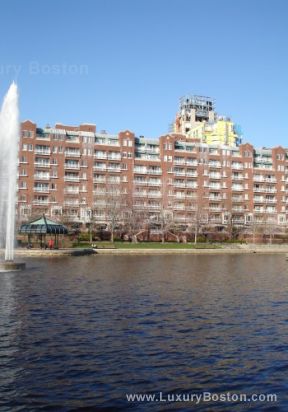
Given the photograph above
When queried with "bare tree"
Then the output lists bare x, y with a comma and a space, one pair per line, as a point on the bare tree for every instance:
136, 222
200, 217
115, 207
165, 217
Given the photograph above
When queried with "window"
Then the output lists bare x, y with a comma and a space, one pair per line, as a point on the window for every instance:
27, 133
22, 198
22, 185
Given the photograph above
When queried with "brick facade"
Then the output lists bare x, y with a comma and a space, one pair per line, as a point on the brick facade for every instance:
74, 174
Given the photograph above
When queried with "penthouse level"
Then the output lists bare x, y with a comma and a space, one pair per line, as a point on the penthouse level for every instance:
76, 173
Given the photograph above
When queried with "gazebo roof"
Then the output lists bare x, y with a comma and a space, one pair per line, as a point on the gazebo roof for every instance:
43, 226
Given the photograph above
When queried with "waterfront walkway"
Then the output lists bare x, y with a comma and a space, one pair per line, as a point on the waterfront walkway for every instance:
222, 249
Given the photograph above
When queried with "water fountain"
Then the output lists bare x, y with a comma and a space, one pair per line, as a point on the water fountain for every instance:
9, 141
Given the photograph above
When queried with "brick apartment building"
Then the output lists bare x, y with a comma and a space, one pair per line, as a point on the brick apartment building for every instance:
78, 175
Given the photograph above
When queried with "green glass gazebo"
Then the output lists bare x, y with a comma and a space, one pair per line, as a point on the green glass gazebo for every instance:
43, 227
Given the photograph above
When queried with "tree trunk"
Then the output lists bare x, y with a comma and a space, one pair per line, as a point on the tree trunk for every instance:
134, 239
195, 236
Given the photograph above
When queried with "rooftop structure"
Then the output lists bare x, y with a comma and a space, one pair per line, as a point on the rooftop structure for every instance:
197, 119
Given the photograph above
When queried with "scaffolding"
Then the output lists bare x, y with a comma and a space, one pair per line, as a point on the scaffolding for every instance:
201, 104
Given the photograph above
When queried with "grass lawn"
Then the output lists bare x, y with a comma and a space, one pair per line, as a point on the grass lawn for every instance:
155, 245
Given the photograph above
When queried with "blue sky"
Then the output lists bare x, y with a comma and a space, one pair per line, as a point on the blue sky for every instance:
123, 64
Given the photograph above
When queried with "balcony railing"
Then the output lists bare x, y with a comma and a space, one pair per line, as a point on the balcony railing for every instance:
42, 164
41, 189
42, 177
71, 192
71, 166
40, 202
72, 154
42, 152
71, 179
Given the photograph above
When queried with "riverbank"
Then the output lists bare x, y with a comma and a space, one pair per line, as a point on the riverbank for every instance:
220, 249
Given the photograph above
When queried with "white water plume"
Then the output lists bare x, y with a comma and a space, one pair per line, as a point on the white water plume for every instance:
9, 141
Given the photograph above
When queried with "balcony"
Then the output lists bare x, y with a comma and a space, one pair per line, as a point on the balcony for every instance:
191, 208
99, 192
98, 180
154, 194
154, 172
71, 203
259, 200
71, 192
117, 158
101, 168
42, 164
73, 166
215, 220
41, 189
153, 183
139, 206
153, 206
42, 152
179, 173
180, 184
264, 179
71, 179
237, 188
178, 196
39, 202
238, 221
140, 171
179, 161
72, 153
264, 190
191, 174
259, 210
42, 177
215, 165
215, 198
100, 156
237, 166
113, 169
179, 207
140, 182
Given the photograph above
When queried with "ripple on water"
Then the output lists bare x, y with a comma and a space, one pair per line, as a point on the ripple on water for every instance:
78, 334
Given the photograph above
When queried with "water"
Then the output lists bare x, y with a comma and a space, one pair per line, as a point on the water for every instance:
80, 333
9, 140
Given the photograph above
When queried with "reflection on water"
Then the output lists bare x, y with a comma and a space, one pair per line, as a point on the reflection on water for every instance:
82, 332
